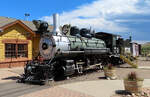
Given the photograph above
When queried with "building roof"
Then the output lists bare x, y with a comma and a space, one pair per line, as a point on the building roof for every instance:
6, 20
21, 24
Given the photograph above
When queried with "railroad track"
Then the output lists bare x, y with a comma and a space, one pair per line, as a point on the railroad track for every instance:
13, 89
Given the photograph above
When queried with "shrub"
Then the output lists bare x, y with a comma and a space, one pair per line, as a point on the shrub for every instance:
109, 67
133, 77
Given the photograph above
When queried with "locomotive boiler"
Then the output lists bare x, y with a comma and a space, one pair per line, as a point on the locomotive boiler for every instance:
64, 54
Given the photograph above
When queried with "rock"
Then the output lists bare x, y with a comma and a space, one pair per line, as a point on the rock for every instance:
138, 95
142, 93
128, 95
133, 95
107, 78
113, 78
67, 78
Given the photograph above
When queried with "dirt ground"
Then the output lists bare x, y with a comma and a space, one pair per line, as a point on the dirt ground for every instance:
11, 76
121, 72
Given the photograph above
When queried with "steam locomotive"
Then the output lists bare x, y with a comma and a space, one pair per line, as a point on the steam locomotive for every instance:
64, 54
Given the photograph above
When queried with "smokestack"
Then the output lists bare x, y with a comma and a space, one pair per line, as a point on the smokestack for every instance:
56, 30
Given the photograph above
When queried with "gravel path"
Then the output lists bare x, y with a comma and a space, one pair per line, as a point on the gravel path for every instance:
56, 92
145, 93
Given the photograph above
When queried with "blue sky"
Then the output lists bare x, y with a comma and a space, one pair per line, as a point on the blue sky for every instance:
121, 17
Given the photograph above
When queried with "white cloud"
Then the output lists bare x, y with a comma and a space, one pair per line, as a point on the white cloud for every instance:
140, 42
99, 14
131, 20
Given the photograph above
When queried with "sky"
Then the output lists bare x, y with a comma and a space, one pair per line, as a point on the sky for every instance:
123, 17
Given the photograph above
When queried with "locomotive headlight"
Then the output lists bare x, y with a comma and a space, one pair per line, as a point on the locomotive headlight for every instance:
47, 48
47, 44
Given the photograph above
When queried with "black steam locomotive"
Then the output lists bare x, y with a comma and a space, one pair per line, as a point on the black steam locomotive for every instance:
66, 53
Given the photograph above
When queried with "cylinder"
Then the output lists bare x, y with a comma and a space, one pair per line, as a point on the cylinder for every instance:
56, 30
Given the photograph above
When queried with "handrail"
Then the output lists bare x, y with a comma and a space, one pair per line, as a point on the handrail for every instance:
128, 61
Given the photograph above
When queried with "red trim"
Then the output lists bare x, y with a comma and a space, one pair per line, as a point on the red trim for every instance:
15, 41
9, 60
16, 51
13, 64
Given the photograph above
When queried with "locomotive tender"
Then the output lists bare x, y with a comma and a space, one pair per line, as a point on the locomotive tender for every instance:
64, 54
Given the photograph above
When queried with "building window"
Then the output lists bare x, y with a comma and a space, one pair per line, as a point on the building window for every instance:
22, 50
16, 50
10, 50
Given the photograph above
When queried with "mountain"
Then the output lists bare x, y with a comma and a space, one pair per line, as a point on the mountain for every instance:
146, 44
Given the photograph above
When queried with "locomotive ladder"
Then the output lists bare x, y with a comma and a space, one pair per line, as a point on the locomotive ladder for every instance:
128, 61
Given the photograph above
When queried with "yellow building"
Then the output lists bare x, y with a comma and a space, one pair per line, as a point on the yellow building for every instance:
19, 42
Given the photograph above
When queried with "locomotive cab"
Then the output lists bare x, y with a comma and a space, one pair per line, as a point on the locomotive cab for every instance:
111, 41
